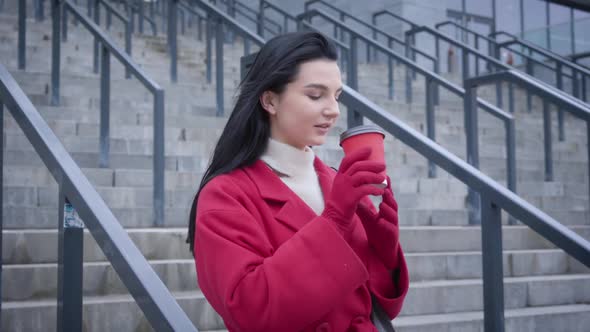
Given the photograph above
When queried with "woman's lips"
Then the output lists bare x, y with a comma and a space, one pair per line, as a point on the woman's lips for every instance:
323, 129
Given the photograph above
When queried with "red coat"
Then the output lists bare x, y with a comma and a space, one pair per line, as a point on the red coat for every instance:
266, 262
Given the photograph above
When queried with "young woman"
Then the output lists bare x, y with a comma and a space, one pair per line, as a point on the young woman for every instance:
281, 241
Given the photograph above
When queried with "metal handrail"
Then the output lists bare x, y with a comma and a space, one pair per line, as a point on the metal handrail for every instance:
220, 18
575, 107
339, 24
494, 64
158, 305
432, 81
575, 57
256, 14
374, 29
128, 29
263, 4
558, 59
394, 15
108, 48
136, 8
493, 44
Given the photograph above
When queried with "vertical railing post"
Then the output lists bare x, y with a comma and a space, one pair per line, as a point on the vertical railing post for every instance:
408, 71
208, 46
182, 21
64, 21
476, 55
159, 157
89, 5
353, 117
246, 45
547, 139
430, 123
559, 78
511, 98
141, 16
465, 64
96, 45
199, 28
219, 39
22, 33
105, 101
584, 88
38, 6
342, 18
499, 97
70, 266
491, 250
285, 24
55, 50
575, 83
588, 147
390, 73
152, 10
529, 95
511, 160
1, 195
172, 35
109, 19
128, 46
260, 20
471, 131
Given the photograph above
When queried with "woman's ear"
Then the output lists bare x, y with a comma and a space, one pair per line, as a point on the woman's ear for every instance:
269, 101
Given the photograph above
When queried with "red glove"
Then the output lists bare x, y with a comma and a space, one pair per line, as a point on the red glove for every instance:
355, 179
382, 228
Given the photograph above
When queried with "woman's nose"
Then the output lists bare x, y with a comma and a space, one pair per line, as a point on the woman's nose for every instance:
332, 110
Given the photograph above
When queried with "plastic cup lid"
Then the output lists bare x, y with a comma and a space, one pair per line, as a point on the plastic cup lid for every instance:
364, 129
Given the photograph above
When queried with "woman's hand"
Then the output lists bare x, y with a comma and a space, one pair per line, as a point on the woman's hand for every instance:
383, 228
356, 178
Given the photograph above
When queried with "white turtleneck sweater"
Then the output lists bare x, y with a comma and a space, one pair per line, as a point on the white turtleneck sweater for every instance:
295, 169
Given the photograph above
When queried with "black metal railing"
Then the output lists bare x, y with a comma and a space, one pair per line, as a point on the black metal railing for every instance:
220, 19
492, 63
108, 48
395, 16
80, 205
235, 7
579, 74
553, 96
262, 6
494, 50
392, 41
576, 58
354, 36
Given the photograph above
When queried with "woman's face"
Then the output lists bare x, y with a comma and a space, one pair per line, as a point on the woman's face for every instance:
305, 111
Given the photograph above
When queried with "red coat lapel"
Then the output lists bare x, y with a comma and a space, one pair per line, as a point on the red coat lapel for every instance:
291, 211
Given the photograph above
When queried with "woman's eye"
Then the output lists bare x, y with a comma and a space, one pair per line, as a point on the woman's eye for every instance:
314, 97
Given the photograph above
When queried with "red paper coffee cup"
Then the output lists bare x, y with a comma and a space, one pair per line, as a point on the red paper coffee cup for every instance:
362, 136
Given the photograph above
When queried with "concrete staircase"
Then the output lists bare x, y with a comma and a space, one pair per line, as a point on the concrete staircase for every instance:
545, 289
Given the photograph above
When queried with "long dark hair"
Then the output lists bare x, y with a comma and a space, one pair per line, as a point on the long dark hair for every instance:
247, 130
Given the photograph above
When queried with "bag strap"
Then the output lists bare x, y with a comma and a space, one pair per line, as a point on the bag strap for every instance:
379, 318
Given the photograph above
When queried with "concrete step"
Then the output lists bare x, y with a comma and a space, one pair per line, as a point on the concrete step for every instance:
431, 297
25, 282
566, 318
105, 313
468, 264
39, 246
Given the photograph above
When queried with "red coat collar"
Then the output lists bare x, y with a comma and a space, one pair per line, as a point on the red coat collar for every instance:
294, 213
